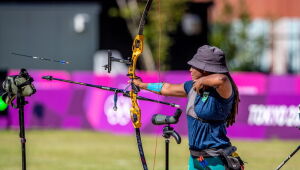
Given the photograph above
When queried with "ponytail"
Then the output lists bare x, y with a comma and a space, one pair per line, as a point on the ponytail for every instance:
234, 111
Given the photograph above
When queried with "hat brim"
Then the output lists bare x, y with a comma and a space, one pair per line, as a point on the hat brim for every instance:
214, 68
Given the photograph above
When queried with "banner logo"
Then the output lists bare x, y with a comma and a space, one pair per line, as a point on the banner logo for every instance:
120, 116
273, 115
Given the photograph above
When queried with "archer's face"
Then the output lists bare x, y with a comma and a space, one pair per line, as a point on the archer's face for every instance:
197, 73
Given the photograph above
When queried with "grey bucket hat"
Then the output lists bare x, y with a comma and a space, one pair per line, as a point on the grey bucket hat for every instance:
210, 59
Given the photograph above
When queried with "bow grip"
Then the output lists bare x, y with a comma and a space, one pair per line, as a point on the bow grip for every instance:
135, 88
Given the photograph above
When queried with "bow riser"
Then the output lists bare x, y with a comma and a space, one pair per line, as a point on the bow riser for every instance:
137, 50
135, 111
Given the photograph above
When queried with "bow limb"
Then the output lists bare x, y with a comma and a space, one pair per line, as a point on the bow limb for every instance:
137, 50
135, 111
147, 60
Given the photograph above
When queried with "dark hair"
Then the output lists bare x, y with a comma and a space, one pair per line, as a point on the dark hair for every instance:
234, 111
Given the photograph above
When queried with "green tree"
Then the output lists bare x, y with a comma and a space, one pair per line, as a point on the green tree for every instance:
162, 20
242, 49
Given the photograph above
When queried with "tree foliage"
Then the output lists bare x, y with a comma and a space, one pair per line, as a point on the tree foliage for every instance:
162, 20
242, 48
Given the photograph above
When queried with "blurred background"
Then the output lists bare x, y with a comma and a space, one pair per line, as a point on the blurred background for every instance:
75, 127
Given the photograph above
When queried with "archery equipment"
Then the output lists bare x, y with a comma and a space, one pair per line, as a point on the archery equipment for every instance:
168, 131
159, 119
137, 50
42, 58
293, 153
110, 59
19, 86
288, 158
115, 90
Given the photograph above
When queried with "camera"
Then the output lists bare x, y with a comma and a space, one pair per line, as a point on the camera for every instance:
17, 85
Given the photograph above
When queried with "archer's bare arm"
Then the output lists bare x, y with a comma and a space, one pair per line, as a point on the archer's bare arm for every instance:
220, 81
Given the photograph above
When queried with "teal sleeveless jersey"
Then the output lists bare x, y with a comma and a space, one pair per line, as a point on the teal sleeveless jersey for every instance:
209, 106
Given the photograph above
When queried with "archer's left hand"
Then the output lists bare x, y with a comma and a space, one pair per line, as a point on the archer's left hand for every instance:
138, 82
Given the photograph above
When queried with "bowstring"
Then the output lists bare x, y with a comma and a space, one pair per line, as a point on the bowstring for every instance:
159, 75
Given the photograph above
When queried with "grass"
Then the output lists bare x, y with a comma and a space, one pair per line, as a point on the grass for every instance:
90, 150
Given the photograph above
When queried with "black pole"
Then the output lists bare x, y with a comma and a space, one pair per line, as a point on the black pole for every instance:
20, 104
167, 141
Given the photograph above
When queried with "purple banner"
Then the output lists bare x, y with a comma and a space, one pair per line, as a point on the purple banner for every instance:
268, 107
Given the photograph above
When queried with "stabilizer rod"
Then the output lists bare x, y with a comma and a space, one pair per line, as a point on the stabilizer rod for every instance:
115, 90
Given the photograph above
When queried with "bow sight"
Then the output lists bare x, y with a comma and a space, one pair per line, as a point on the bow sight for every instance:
110, 59
128, 62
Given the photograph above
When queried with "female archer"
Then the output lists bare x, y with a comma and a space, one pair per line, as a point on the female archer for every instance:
213, 100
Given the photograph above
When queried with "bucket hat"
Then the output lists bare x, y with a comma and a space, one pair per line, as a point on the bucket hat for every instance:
210, 59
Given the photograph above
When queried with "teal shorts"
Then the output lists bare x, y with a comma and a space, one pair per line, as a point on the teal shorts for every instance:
214, 163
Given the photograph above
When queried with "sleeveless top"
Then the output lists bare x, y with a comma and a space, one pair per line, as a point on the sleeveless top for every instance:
208, 106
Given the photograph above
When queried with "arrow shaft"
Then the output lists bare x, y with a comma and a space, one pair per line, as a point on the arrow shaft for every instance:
42, 58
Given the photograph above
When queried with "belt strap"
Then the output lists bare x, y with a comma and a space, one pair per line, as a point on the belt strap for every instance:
214, 152
205, 153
